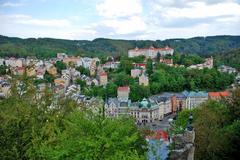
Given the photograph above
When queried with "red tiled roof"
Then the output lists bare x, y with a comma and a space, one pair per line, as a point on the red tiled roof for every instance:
140, 64
125, 88
225, 94
103, 74
219, 94
159, 135
20, 68
152, 48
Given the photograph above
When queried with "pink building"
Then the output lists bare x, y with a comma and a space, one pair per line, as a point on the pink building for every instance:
123, 93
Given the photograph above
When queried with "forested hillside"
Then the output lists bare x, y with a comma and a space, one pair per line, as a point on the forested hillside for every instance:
230, 58
47, 47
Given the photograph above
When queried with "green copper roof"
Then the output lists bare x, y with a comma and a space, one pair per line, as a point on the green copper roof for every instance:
144, 103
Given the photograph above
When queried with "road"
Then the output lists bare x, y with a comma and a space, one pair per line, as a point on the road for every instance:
161, 125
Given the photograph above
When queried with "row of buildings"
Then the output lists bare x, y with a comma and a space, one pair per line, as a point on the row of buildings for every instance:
158, 106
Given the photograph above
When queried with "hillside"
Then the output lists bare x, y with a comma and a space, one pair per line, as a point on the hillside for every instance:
230, 58
48, 47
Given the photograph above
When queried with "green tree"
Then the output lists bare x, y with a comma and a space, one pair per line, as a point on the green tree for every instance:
111, 89
3, 69
92, 137
122, 79
81, 83
149, 67
60, 66
125, 65
48, 77
46, 128
83, 70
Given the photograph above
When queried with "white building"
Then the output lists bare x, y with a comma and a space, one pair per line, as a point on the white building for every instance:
144, 112
207, 64
13, 62
226, 69
150, 52
194, 99
1, 61
136, 72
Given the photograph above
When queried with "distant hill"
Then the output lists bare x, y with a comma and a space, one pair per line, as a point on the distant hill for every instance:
48, 47
230, 58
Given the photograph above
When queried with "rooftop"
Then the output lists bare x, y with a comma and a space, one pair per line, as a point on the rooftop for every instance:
124, 88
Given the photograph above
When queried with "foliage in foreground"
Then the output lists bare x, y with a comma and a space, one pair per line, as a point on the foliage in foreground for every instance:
217, 128
31, 129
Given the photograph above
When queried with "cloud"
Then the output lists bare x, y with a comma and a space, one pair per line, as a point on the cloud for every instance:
125, 26
127, 19
120, 17
119, 8
26, 26
202, 10
45, 23
10, 4
28, 20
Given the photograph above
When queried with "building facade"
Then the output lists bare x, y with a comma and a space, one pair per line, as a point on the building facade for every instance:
150, 52
103, 79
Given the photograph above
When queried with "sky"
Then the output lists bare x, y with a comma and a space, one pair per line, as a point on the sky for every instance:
119, 19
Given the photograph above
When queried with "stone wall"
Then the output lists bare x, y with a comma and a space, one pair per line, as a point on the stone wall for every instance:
183, 146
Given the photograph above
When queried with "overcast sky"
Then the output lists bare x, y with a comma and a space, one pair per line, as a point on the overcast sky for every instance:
119, 19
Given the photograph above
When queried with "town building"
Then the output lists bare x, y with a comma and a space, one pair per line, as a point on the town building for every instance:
143, 80
140, 65
144, 112
103, 79
18, 71
227, 69
111, 65
52, 70
115, 108
207, 64
194, 99
40, 72
136, 72
2, 61
71, 60
150, 52
93, 67
166, 61
123, 93
61, 56
5, 89
14, 62
218, 95
31, 71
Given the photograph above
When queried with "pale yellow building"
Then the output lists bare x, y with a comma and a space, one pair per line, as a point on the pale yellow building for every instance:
103, 79
71, 60
52, 70
143, 80
31, 71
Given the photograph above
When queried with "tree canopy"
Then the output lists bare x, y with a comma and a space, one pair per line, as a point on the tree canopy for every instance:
46, 128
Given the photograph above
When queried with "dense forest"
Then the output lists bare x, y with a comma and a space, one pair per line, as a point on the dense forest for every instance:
217, 128
48, 47
230, 58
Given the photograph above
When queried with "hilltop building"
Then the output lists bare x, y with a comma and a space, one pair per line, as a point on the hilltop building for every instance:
150, 52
